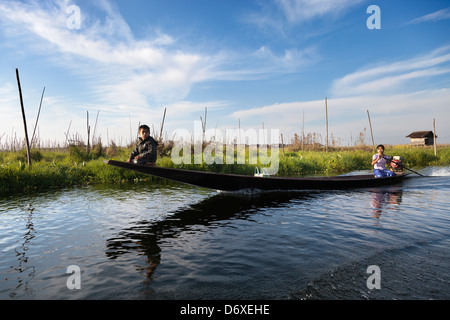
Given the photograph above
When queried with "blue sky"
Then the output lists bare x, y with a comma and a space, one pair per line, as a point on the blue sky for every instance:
251, 62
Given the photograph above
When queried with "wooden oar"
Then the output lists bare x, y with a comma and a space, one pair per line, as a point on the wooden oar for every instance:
414, 171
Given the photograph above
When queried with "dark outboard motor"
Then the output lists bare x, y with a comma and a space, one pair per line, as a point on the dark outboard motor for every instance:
396, 164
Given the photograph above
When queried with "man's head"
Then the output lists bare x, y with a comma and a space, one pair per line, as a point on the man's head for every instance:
144, 131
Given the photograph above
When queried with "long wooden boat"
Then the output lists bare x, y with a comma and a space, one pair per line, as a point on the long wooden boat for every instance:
235, 182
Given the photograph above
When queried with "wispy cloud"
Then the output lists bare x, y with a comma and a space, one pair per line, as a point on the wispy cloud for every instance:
442, 14
297, 11
262, 63
284, 17
121, 68
392, 76
8, 98
125, 74
389, 90
393, 115
126, 71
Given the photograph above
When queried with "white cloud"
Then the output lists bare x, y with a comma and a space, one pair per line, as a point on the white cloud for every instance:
393, 116
396, 93
119, 66
9, 102
297, 11
126, 75
392, 76
297, 19
56, 114
140, 76
442, 14
124, 70
290, 61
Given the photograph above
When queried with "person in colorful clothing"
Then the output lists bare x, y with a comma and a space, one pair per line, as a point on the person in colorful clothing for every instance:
145, 152
379, 161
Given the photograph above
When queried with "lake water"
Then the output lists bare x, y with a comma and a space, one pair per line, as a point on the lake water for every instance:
170, 241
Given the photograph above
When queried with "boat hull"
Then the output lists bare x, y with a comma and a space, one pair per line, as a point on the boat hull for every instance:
236, 182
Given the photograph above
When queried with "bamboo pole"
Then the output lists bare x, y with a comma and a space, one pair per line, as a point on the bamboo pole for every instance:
371, 132
326, 116
88, 132
67, 134
162, 125
434, 136
37, 118
203, 121
206, 110
24, 119
95, 128
239, 130
264, 134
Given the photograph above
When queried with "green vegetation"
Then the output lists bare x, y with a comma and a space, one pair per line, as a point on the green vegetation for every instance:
51, 169
336, 161
73, 166
347, 160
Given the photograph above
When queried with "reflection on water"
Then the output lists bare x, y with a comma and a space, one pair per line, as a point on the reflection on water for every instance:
25, 272
385, 200
145, 236
167, 241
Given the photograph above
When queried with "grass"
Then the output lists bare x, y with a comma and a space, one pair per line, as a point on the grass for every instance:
59, 169
336, 161
73, 167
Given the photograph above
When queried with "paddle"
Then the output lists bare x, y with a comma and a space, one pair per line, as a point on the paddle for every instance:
404, 167
414, 171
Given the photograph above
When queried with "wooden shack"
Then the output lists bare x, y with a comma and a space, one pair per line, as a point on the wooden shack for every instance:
422, 138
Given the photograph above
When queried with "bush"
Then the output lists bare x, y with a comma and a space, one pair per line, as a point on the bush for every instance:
76, 154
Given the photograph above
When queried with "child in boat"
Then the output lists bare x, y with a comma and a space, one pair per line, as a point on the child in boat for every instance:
145, 152
379, 161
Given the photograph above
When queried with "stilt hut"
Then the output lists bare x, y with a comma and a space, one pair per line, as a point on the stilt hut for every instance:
422, 138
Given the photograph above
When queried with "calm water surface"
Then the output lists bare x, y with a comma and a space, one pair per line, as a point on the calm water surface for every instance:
169, 241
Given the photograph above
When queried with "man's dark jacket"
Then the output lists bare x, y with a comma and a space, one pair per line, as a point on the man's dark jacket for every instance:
147, 149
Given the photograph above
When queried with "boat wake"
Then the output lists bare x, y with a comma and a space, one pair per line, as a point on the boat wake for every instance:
438, 171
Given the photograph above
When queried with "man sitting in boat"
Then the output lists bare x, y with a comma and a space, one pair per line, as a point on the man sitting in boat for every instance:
379, 161
145, 152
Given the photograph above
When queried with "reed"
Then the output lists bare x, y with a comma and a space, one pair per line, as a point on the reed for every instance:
15, 177
57, 168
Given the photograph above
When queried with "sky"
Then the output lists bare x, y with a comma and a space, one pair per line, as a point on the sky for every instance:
251, 63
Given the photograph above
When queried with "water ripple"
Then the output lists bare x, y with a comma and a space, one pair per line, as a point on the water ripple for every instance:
150, 241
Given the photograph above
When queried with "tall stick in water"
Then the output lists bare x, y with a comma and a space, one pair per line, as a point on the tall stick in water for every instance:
204, 125
162, 125
326, 116
24, 120
67, 134
371, 132
37, 118
434, 136
95, 129
88, 132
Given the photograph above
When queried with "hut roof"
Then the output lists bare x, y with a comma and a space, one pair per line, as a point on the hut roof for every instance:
421, 134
